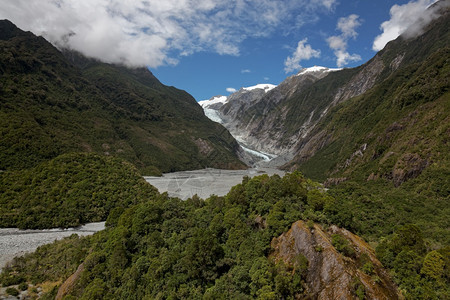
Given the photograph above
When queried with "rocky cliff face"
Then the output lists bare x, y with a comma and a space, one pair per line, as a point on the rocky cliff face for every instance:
350, 272
262, 119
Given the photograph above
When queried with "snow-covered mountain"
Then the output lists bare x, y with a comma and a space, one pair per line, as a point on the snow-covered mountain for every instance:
226, 110
239, 111
244, 97
316, 69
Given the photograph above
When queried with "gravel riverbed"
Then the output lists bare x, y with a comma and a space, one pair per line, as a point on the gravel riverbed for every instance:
204, 182
15, 242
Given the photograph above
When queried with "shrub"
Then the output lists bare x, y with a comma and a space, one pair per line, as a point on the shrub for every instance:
12, 291
23, 286
342, 245
358, 288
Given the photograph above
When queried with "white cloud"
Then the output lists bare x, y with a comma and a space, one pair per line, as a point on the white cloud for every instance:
157, 32
245, 71
266, 78
348, 25
409, 18
303, 52
339, 43
231, 90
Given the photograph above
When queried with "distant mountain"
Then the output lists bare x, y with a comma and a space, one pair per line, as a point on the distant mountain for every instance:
230, 110
57, 102
252, 114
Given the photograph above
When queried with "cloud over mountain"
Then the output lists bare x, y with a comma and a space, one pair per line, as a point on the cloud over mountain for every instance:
409, 18
154, 33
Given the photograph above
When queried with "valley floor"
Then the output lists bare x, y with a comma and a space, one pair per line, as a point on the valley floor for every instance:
204, 182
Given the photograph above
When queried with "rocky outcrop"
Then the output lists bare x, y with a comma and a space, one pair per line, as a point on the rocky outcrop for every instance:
331, 274
409, 166
70, 282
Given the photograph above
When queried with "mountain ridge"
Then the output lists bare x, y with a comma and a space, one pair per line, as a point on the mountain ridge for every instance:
62, 102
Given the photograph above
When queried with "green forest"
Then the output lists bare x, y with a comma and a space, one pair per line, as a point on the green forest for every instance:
70, 190
165, 248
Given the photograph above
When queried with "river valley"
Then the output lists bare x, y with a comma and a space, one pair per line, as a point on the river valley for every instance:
184, 184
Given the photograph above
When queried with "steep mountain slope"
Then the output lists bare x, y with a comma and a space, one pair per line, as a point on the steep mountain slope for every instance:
385, 153
378, 135
53, 104
395, 129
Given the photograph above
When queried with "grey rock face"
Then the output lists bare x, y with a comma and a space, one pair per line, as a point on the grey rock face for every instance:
330, 274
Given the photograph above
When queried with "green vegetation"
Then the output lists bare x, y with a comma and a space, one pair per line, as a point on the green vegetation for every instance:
168, 248
342, 245
220, 247
387, 149
69, 190
12, 291
54, 104
387, 164
23, 286
420, 273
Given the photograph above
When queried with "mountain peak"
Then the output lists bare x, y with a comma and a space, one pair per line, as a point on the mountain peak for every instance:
316, 69
263, 86
213, 100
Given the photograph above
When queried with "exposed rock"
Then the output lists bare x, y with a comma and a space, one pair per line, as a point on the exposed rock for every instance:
203, 146
373, 176
334, 181
397, 61
68, 285
357, 153
410, 165
361, 82
331, 275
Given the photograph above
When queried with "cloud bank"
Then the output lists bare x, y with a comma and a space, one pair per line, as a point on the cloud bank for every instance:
339, 43
409, 19
303, 52
231, 90
157, 32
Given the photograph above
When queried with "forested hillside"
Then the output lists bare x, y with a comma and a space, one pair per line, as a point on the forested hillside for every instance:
70, 190
386, 151
53, 105
233, 247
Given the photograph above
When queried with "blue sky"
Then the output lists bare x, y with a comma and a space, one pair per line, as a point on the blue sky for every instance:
261, 60
211, 47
